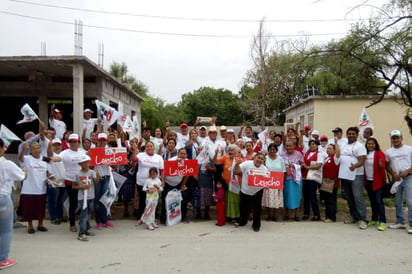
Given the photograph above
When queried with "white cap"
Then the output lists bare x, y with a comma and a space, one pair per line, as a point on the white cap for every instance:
84, 158
102, 136
212, 128
56, 141
223, 128
57, 111
74, 137
396, 132
315, 132
230, 130
88, 110
203, 127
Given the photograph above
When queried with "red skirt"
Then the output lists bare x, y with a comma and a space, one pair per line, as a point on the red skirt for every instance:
33, 206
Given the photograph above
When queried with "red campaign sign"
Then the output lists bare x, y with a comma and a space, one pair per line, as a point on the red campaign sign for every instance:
185, 168
108, 156
265, 179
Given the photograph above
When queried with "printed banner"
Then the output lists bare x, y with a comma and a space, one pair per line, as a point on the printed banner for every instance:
106, 113
364, 122
265, 178
7, 135
185, 168
108, 156
28, 114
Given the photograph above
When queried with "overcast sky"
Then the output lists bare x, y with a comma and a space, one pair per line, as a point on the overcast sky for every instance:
171, 65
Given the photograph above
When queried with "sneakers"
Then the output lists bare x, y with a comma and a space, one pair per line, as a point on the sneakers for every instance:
372, 223
327, 220
155, 225
89, 233
73, 229
7, 263
109, 224
397, 226
150, 227
363, 225
349, 220
83, 238
381, 226
99, 226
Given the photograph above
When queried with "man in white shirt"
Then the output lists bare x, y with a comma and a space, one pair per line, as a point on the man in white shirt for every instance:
88, 122
399, 165
56, 122
351, 174
338, 133
182, 136
202, 134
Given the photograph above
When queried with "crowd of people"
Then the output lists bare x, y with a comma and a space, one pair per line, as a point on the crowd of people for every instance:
55, 166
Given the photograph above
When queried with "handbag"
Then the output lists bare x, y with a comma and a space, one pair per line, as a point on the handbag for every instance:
314, 174
327, 185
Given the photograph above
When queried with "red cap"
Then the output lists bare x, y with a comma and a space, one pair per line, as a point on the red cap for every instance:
308, 127
183, 125
323, 137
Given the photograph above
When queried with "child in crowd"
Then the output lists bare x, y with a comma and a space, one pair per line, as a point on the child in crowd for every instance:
152, 186
220, 204
85, 196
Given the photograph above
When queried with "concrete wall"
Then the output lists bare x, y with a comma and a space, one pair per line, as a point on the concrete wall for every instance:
340, 112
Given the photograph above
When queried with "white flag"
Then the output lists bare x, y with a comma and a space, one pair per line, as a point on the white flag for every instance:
7, 135
28, 114
121, 119
106, 113
128, 125
364, 122
135, 128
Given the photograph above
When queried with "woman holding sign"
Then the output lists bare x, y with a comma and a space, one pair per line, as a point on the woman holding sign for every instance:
250, 195
292, 191
146, 160
273, 198
175, 182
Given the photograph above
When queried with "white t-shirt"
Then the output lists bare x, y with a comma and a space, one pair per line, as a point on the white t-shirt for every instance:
9, 172
151, 183
35, 183
57, 169
71, 160
145, 162
59, 127
89, 126
181, 140
400, 159
369, 165
341, 142
201, 139
245, 167
349, 155
43, 146
86, 178
212, 146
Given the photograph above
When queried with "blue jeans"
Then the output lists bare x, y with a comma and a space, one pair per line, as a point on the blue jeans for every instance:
406, 186
55, 200
6, 225
377, 205
356, 201
84, 222
99, 208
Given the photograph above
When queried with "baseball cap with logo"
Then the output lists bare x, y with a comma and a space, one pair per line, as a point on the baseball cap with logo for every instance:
102, 136
74, 137
84, 158
396, 133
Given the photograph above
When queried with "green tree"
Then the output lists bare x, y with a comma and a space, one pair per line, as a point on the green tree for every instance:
211, 102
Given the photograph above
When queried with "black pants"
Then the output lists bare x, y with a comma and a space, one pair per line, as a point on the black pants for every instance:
330, 203
245, 202
309, 198
72, 194
142, 202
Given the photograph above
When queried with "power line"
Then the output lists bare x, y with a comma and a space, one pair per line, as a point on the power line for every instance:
186, 18
162, 33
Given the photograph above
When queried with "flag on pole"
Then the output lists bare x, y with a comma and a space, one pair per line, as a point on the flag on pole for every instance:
28, 114
106, 113
7, 135
135, 128
121, 119
364, 122
128, 125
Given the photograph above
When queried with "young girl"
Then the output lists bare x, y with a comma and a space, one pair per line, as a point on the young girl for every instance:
152, 186
86, 195
220, 204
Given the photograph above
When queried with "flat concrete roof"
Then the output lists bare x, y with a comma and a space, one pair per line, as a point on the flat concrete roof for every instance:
56, 66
